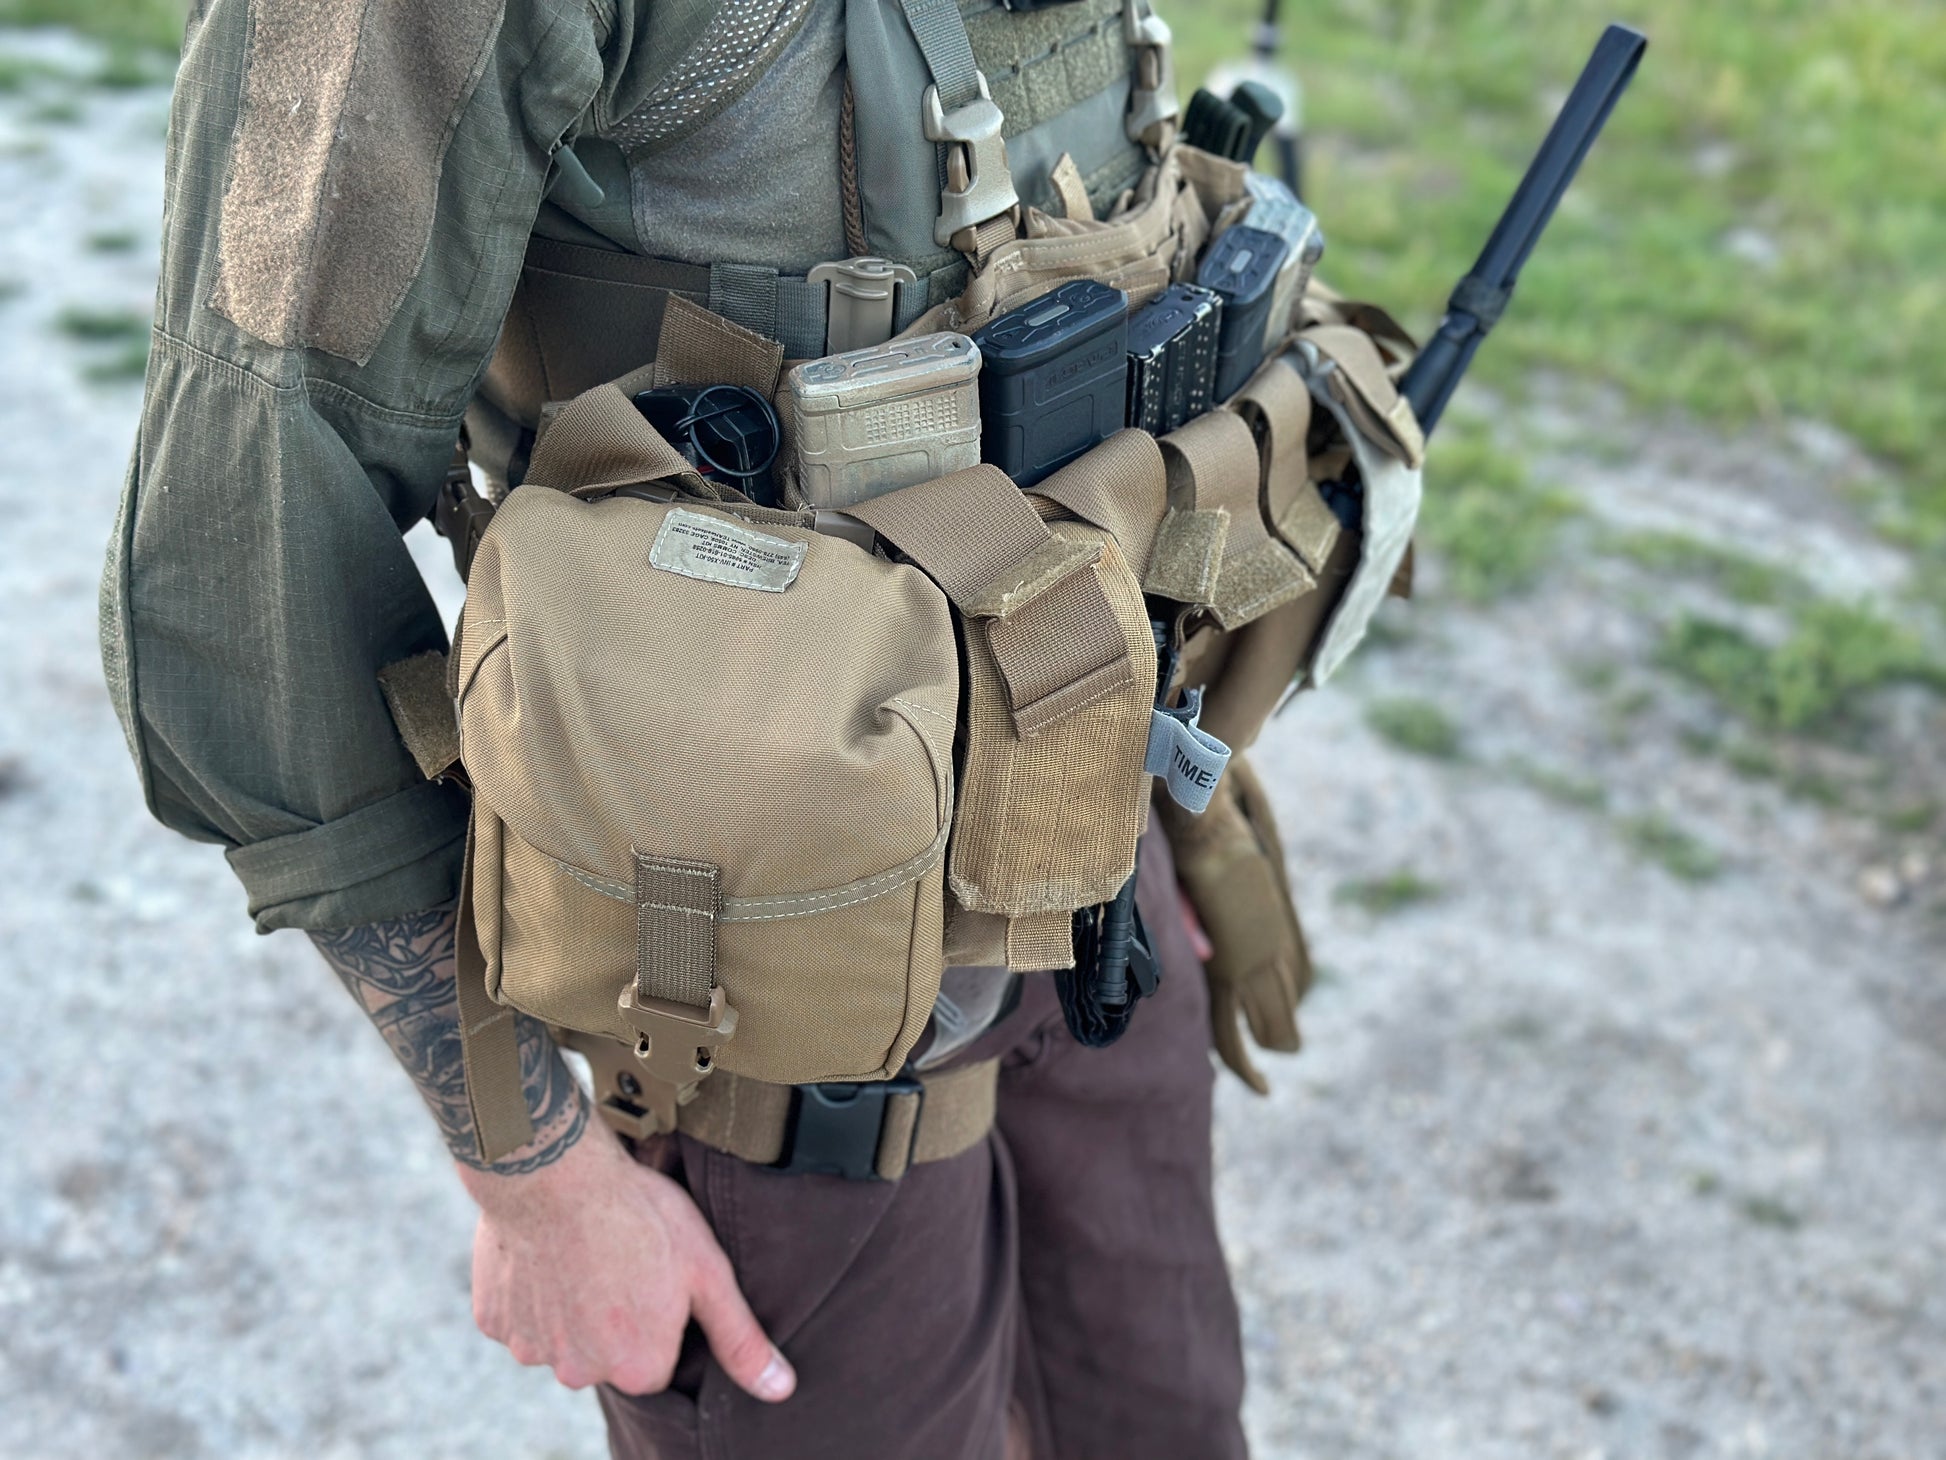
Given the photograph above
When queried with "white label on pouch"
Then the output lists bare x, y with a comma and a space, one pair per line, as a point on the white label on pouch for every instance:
718, 551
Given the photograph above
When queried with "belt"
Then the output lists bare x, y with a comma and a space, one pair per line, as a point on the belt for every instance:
870, 1131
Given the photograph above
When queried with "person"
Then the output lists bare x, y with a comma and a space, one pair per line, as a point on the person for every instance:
382, 217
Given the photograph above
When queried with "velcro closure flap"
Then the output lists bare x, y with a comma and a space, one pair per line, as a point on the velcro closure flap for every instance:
1050, 564
1361, 384
1188, 555
1213, 464
415, 692
1057, 643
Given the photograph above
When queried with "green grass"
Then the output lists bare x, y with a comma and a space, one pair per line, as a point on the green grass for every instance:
1812, 126
1493, 527
1656, 838
1418, 727
128, 363
1396, 892
102, 326
1911, 819
1672, 554
1767, 1211
1833, 653
153, 25
1559, 786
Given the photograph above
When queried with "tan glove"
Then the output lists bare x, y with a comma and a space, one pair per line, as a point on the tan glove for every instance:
1231, 865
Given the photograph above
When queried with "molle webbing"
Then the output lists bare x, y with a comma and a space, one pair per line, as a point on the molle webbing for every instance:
750, 1120
582, 316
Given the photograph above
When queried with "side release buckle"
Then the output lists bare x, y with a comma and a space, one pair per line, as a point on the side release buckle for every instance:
979, 185
861, 305
835, 1130
677, 1043
460, 514
1152, 105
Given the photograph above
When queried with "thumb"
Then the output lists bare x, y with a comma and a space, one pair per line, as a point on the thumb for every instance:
736, 1338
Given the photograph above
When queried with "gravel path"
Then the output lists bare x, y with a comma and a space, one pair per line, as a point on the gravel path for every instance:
1584, 1160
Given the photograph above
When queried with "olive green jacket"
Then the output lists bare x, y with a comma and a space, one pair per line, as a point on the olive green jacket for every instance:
351, 192
381, 164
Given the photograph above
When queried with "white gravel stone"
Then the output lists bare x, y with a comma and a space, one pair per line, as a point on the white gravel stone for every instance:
1582, 1160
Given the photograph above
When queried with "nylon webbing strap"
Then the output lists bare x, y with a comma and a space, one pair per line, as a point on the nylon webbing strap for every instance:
968, 530
749, 1119
599, 442
1361, 384
489, 1040
1212, 465
676, 908
791, 311
1054, 637
1121, 487
700, 347
941, 33
1277, 404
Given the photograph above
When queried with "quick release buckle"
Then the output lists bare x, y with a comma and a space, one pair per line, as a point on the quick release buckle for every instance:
979, 185
677, 1043
836, 1129
1152, 105
861, 305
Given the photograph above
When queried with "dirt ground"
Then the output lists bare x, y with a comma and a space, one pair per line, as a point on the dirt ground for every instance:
1619, 1132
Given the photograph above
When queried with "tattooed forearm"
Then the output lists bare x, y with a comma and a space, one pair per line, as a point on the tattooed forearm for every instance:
402, 974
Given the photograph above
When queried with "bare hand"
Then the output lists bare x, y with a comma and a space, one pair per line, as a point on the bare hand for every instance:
593, 1265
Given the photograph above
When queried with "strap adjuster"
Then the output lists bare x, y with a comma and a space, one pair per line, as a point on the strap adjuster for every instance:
677, 1042
1152, 105
862, 303
979, 185
836, 1129
460, 514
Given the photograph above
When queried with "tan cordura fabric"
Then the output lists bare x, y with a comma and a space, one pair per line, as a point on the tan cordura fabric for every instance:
1151, 240
1214, 473
654, 696
750, 1119
1231, 865
347, 112
1060, 666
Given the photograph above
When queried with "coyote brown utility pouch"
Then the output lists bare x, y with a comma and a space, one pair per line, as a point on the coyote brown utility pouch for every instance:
1060, 685
711, 755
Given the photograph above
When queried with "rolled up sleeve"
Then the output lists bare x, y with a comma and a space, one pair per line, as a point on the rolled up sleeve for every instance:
257, 580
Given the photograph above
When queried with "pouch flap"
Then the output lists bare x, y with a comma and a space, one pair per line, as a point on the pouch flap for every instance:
1392, 493
1120, 486
1056, 641
1213, 465
1053, 562
599, 442
601, 694
1361, 385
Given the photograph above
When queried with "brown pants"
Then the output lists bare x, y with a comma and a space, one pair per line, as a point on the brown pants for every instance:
1062, 1281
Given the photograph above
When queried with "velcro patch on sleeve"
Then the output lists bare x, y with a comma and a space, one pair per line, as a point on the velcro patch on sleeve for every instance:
348, 109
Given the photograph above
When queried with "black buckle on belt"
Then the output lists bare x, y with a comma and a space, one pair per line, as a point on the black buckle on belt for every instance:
835, 1129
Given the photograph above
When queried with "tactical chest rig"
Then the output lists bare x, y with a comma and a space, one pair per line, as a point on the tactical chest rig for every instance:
748, 779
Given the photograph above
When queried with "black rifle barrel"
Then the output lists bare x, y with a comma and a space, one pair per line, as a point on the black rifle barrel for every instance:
1477, 303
